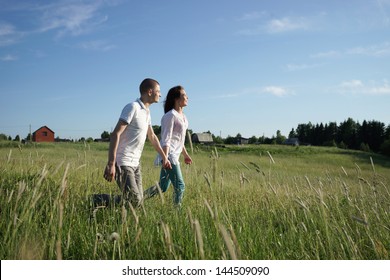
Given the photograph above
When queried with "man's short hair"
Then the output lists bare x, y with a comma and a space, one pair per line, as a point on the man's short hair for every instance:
147, 84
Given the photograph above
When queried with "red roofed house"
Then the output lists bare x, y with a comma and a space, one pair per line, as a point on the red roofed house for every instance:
43, 134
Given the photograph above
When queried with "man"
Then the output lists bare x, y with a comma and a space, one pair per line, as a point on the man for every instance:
127, 142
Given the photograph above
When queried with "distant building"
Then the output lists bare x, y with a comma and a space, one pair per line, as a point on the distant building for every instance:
43, 134
202, 138
292, 142
242, 141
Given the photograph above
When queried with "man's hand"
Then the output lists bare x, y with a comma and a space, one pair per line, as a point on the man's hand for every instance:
109, 172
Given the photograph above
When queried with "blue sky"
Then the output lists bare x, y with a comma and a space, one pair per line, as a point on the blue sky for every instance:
249, 67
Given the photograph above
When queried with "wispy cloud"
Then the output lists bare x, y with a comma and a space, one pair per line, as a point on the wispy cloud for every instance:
273, 26
358, 87
97, 45
74, 19
9, 57
251, 16
300, 67
378, 50
6, 29
327, 54
286, 24
225, 96
373, 50
253, 31
384, 6
276, 91
8, 34
61, 18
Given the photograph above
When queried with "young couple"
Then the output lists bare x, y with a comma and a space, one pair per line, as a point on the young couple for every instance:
128, 139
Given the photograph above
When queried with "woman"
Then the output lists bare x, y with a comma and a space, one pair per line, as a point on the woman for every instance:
174, 126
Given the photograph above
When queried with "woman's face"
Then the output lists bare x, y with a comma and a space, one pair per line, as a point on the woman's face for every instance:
183, 99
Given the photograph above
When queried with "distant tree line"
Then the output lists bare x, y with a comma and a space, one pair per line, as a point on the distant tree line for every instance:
368, 136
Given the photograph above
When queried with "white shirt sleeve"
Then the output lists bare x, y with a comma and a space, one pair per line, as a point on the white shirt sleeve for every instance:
167, 123
128, 113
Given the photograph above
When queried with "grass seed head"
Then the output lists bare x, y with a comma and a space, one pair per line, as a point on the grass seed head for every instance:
114, 237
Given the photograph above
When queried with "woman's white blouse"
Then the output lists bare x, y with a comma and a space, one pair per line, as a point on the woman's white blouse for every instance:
173, 134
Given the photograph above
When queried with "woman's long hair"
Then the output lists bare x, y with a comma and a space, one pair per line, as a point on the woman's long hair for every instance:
173, 94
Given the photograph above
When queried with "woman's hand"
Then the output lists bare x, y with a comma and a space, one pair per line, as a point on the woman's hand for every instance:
187, 159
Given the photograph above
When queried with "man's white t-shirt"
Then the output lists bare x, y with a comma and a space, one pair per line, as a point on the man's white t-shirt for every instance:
132, 140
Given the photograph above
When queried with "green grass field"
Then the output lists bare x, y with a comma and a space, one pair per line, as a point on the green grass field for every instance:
241, 202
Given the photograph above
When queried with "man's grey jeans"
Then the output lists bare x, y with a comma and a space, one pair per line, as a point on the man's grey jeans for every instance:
129, 180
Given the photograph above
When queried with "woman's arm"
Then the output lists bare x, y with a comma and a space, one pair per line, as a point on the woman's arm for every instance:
156, 144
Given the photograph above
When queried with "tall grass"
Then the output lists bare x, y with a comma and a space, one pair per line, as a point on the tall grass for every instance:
265, 202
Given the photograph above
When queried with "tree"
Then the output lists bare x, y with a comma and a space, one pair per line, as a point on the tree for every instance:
105, 135
29, 137
304, 132
292, 134
387, 132
385, 148
262, 139
252, 140
3, 136
330, 134
376, 135
157, 130
348, 134
279, 137
230, 140
217, 139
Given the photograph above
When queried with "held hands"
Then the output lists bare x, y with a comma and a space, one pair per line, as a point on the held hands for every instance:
109, 172
166, 164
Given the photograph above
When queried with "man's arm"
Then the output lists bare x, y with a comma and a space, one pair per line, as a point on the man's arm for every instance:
156, 144
109, 171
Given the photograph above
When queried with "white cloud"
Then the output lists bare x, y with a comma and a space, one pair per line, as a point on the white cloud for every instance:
357, 87
300, 67
275, 90
380, 90
352, 84
286, 24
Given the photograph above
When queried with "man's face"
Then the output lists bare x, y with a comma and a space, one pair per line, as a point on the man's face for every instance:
156, 94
